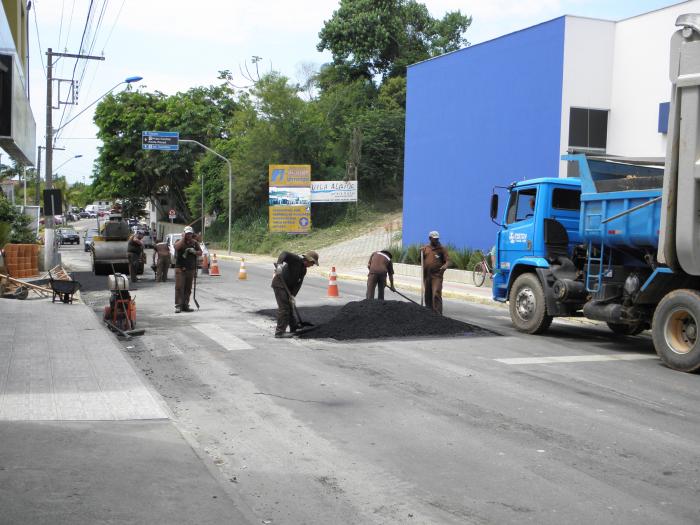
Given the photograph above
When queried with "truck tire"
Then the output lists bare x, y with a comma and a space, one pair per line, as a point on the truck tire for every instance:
675, 330
527, 306
626, 329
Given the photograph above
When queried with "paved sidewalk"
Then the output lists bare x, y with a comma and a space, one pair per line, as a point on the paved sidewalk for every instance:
83, 439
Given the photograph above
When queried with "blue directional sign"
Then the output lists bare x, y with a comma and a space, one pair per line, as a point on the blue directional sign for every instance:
160, 140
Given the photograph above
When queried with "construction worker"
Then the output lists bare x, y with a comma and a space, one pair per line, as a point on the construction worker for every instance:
379, 267
435, 261
161, 261
134, 251
290, 271
187, 250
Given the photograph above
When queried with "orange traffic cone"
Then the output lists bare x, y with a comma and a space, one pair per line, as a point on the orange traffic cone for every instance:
205, 264
214, 268
333, 284
242, 274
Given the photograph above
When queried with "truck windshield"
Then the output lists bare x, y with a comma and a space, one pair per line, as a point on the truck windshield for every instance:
521, 205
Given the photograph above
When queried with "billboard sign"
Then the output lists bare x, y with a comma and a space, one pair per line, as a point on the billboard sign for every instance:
334, 191
289, 198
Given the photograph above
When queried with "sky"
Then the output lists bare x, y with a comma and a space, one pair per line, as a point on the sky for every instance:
178, 44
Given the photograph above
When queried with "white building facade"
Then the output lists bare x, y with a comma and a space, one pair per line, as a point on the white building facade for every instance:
620, 71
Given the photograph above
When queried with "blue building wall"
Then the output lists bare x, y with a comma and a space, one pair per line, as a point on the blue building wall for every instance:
486, 115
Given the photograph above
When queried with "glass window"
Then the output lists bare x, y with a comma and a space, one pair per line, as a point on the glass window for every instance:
521, 205
566, 199
588, 128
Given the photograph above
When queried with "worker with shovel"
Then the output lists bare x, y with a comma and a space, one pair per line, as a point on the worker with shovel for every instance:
379, 267
434, 260
187, 250
290, 271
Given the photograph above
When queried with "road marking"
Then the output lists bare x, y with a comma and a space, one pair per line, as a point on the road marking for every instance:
574, 359
222, 337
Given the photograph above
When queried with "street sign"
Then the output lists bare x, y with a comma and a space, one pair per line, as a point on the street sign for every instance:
172, 214
160, 140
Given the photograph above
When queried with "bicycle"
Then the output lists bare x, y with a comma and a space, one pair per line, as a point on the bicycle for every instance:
481, 270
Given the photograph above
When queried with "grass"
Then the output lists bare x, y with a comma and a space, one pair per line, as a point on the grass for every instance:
250, 234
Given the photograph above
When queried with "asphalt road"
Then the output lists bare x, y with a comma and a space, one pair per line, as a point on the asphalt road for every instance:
576, 426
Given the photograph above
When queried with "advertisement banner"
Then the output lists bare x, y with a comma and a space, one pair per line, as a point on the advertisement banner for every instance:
286, 175
290, 219
334, 191
289, 198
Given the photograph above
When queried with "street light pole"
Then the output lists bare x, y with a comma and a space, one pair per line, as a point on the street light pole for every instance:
230, 186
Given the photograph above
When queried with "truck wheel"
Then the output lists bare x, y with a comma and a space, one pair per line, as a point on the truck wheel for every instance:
528, 310
626, 329
675, 330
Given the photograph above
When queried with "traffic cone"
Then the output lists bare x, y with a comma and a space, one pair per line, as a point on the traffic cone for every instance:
214, 268
205, 264
333, 284
242, 274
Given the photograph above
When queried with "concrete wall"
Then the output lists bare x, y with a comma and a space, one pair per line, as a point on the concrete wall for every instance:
641, 81
588, 70
486, 115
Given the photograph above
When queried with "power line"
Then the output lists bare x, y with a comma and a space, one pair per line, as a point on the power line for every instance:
60, 27
75, 67
38, 39
113, 26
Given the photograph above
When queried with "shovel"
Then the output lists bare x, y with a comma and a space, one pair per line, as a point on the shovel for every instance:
402, 295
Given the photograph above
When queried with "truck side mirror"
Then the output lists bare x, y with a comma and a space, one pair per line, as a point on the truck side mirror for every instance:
494, 206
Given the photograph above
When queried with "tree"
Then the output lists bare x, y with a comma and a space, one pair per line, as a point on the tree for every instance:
123, 170
382, 37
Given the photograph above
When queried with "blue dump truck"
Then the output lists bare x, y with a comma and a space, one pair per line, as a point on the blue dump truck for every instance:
620, 243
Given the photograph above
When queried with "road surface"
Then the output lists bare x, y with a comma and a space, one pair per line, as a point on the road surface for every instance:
576, 426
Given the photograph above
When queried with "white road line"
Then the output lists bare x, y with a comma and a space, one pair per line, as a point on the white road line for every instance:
222, 337
574, 359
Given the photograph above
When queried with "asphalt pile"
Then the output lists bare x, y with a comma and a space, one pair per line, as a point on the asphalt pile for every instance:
371, 319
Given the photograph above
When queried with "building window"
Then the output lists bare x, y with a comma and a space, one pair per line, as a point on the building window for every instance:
664, 108
5, 95
588, 129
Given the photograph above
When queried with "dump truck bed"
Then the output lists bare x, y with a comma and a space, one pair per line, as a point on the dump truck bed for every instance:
620, 203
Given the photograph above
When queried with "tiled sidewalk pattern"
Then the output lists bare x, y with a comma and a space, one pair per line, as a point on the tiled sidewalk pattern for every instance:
58, 363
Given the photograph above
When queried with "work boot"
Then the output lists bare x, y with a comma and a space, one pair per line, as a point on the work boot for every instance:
282, 335
187, 308
178, 309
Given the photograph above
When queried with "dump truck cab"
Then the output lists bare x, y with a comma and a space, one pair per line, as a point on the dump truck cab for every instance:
539, 224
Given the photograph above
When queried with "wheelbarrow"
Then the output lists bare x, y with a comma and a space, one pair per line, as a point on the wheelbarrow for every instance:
64, 290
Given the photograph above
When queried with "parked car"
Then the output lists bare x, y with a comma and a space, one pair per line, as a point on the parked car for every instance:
84, 215
172, 238
147, 239
89, 234
68, 236
58, 219
92, 215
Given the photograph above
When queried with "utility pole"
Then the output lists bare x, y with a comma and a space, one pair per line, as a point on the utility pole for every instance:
38, 176
48, 218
